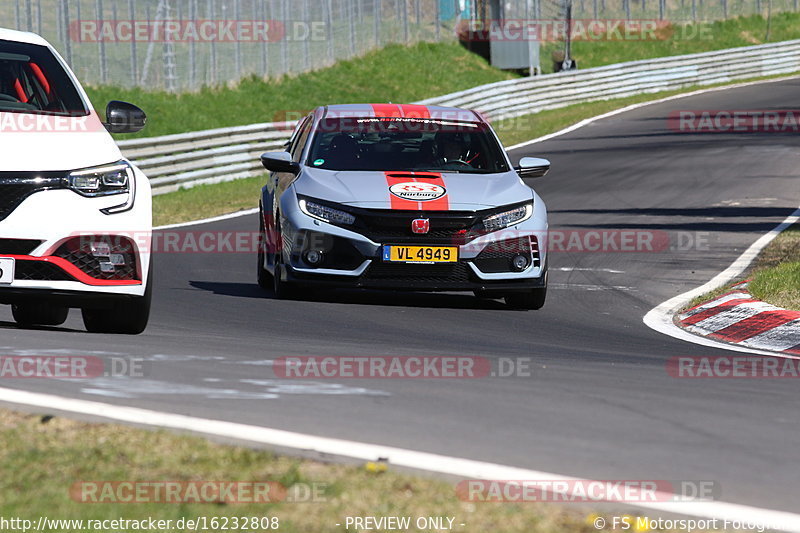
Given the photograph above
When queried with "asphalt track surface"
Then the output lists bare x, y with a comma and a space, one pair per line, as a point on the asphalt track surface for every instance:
599, 403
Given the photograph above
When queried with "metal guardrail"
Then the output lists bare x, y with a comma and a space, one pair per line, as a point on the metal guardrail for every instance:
212, 156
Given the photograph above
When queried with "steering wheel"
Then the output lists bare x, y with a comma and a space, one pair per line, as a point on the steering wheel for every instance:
9, 98
458, 162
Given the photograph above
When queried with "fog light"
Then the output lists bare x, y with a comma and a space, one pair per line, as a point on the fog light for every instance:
117, 259
107, 267
314, 257
100, 249
520, 262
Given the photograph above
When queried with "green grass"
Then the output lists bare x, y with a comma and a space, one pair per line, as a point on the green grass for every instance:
44, 457
774, 276
404, 74
683, 39
396, 73
206, 201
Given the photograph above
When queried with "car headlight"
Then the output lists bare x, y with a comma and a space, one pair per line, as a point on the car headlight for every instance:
102, 181
106, 180
325, 213
508, 218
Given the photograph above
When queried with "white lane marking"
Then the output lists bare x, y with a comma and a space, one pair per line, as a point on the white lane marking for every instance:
265, 389
587, 287
660, 317
781, 338
732, 316
237, 214
454, 466
715, 303
631, 107
576, 269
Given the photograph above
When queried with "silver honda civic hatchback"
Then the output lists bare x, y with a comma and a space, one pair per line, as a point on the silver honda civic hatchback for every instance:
402, 197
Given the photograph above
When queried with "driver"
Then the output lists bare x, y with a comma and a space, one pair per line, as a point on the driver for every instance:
450, 153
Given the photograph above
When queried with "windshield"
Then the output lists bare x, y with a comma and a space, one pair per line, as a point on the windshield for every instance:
381, 144
33, 81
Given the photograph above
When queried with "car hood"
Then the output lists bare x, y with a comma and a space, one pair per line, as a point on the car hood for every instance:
44, 143
368, 189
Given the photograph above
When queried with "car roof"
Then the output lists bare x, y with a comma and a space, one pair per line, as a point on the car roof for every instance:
398, 111
22, 37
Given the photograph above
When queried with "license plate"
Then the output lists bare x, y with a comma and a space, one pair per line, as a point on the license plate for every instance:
420, 254
6, 270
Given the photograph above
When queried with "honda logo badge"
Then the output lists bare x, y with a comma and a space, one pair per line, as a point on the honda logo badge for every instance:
420, 225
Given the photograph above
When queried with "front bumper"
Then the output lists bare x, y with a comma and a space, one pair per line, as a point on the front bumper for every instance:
41, 234
355, 260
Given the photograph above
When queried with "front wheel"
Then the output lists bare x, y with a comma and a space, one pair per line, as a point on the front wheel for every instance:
126, 317
264, 277
39, 314
532, 299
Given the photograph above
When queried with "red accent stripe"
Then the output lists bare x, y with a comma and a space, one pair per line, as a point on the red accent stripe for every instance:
76, 272
21, 96
795, 350
387, 110
702, 315
440, 204
416, 111
40, 76
396, 201
755, 325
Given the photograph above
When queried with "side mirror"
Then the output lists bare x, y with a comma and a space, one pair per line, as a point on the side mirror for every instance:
280, 162
533, 167
122, 117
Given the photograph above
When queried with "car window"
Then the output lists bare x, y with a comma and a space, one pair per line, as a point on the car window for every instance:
300, 142
378, 143
33, 81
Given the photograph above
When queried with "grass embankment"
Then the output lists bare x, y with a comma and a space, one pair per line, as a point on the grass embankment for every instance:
396, 73
774, 276
44, 457
683, 39
404, 74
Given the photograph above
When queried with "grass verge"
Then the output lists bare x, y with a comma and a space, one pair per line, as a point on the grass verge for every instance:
212, 200
774, 276
395, 73
400, 73
45, 457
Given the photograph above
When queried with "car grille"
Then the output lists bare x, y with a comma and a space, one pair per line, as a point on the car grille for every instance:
39, 271
15, 187
449, 227
399, 272
18, 246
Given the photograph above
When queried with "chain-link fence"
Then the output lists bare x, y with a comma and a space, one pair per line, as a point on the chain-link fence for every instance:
188, 44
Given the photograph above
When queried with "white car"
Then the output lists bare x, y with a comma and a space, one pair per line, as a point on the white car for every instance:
75, 215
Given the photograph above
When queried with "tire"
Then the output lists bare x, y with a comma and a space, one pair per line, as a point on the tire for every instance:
126, 317
264, 277
283, 290
39, 314
532, 299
